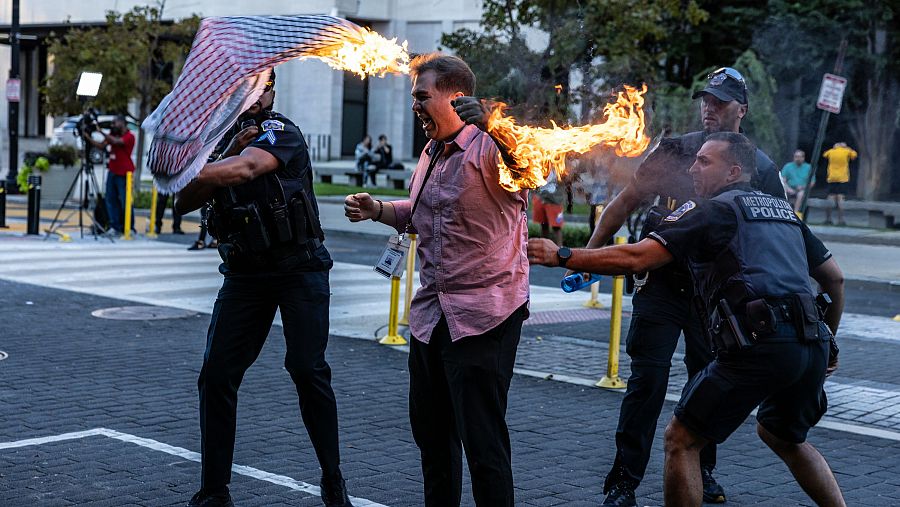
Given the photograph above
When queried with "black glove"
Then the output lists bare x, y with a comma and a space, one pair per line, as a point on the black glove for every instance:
472, 110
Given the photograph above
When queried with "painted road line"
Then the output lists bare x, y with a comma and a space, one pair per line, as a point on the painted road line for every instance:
149, 443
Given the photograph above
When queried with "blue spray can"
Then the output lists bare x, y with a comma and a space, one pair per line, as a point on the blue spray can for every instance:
578, 281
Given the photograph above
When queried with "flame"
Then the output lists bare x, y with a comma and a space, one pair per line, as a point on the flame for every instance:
367, 53
537, 151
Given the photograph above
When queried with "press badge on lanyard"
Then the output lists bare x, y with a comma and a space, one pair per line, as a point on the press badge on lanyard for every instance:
391, 263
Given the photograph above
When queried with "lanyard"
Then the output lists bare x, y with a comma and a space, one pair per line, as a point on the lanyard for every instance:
436, 149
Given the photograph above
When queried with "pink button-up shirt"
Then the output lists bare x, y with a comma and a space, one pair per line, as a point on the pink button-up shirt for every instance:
472, 240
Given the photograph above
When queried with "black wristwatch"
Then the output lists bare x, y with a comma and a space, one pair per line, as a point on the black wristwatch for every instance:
563, 254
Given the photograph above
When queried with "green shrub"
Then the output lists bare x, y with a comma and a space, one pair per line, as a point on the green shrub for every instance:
28, 168
63, 154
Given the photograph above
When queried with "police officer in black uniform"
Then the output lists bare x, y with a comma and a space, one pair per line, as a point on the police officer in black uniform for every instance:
266, 219
662, 307
750, 259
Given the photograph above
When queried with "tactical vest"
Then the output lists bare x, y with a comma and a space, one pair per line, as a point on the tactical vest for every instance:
265, 219
762, 278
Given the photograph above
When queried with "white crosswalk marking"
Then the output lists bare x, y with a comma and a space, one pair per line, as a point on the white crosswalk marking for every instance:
166, 274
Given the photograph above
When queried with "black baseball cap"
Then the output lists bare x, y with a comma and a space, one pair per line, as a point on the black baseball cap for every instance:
725, 84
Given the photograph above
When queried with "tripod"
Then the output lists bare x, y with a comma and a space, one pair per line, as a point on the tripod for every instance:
90, 195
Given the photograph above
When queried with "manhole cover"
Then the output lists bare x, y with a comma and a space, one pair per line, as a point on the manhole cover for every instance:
142, 313
3, 355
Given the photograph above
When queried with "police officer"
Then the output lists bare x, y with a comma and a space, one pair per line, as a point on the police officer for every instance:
662, 305
750, 259
265, 217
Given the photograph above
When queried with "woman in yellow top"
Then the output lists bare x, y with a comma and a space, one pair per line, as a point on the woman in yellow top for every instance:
839, 159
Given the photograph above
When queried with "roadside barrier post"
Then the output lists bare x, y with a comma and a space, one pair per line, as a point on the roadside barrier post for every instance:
410, 270
3, 204
34, 204
612, 380
393, 338
129, 201
154, 197
594, 301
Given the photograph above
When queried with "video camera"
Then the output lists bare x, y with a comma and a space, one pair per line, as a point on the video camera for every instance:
87, 124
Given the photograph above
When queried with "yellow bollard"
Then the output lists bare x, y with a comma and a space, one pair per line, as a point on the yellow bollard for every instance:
594, 301
151, 228
612, 380
410, 269
129, 200
393, 338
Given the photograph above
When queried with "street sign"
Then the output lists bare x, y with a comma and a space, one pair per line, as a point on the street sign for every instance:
13, 89
832, 93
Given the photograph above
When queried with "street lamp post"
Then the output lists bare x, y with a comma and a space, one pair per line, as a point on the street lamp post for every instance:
13, 105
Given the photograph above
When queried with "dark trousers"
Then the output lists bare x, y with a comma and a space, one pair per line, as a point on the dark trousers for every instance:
115, 202
161, 203
457, 400
661, 314
241, 319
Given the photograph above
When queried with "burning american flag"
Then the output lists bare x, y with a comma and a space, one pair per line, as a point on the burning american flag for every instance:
226, 72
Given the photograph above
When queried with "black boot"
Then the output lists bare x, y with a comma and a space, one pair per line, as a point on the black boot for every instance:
619, 488
334, 491
204, 499
712, 491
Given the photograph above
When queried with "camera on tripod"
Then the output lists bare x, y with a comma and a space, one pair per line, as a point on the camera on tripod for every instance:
88, 123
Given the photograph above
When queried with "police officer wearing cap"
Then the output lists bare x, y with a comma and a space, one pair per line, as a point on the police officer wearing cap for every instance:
750, 259
265, 217
662, 305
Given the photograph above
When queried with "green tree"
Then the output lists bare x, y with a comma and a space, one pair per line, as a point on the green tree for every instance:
664, 43
138, 53
808, 36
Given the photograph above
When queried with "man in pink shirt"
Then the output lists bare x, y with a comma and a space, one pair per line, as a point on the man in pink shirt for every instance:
466, 318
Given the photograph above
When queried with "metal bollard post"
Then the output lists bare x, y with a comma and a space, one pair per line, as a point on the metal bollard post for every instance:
34, 204
612, 380
154, 197
393, 338
3, 205
129, 201
594, 301
410, 269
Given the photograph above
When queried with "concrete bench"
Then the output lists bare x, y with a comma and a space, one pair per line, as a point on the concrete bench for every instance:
882, 215
355, 177
397, 178
326, 174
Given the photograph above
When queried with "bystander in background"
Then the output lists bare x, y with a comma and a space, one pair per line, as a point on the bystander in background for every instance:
794, 176
839, 159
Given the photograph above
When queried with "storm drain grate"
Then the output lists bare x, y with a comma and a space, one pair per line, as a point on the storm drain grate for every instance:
142, 313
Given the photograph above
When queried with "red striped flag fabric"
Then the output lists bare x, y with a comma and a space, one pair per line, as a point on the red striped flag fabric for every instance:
225, 72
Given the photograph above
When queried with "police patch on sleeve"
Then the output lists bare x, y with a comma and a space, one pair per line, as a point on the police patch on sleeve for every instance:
684, 208
764, 207
271, 125
268, 136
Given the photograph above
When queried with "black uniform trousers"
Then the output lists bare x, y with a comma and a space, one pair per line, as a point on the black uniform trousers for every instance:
661, 312
241, 320
162, 202
457, 395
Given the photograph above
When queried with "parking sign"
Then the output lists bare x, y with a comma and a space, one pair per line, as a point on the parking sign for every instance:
832, 93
